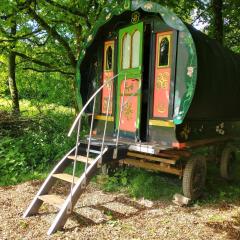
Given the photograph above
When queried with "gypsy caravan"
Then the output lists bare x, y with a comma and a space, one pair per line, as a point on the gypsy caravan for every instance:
156, 92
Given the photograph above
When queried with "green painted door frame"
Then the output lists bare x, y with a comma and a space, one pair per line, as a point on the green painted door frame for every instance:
130, 73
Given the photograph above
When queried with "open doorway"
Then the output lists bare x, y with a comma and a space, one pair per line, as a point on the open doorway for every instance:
145, 83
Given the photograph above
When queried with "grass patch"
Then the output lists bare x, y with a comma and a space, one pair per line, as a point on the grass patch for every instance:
28, 109
140, 183
219, 189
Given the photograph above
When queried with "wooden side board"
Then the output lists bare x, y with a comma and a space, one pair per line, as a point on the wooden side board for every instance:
152, 158
151, 166
205, 142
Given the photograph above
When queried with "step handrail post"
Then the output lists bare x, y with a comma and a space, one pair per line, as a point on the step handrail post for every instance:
88, 102
115, 152
106, 121
90, 133
69, 210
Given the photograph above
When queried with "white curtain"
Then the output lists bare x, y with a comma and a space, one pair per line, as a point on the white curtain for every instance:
135, 49
126, 51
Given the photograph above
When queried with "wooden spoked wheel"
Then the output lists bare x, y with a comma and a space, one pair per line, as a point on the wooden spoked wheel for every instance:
228, 163
194, 177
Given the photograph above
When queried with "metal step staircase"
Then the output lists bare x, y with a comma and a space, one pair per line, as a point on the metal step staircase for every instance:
93, 154
78, 184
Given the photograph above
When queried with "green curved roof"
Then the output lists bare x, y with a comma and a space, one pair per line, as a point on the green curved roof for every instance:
186, 78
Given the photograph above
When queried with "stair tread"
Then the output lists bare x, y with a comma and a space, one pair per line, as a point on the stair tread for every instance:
97, 151
65, 204
65, 177
94, 151
52, 199
81, 158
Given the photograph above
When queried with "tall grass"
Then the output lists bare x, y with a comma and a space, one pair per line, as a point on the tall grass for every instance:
31, 145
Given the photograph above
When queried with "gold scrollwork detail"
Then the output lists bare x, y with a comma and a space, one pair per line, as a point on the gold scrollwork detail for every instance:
185, 131
105, 104
127, 111
161, 108
162, 80
135, 17
129, 88
109, 84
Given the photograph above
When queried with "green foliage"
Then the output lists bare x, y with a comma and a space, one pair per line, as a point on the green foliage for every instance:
45, 88
30, 150
184, 8
139, 183
116, 182
231, 15
219, 189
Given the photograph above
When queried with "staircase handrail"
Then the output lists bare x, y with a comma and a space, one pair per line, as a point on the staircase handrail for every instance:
88, 102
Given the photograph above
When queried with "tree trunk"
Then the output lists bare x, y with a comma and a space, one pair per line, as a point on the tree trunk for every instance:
218, 20
12, 74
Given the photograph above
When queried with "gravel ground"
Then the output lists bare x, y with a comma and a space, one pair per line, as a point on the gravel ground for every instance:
100, 215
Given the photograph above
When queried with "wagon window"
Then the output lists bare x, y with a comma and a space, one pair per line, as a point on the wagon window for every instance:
109, 58
135, 49
163, 52
126, 46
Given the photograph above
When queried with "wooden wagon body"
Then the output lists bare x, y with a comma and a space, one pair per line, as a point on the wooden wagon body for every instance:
180, 84
179, 88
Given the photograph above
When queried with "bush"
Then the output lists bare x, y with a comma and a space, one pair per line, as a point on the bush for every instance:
33, 149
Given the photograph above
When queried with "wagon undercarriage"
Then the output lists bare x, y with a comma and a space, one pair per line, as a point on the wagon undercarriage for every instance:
188, 163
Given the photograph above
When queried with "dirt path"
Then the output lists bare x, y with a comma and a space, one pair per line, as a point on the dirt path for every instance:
102, 215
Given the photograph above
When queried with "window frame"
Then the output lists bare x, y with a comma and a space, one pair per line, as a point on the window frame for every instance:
160, 37
131, 52
106, 46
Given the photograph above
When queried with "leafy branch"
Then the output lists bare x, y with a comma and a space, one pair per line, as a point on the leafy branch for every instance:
49, 67
51, 31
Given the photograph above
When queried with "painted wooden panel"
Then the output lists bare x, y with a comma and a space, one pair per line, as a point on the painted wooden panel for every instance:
105, 93
107, 74
131, 68
162, 76
161, 92
130, 103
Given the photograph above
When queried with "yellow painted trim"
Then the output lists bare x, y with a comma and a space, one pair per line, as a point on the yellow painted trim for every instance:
161, 123
103, 117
